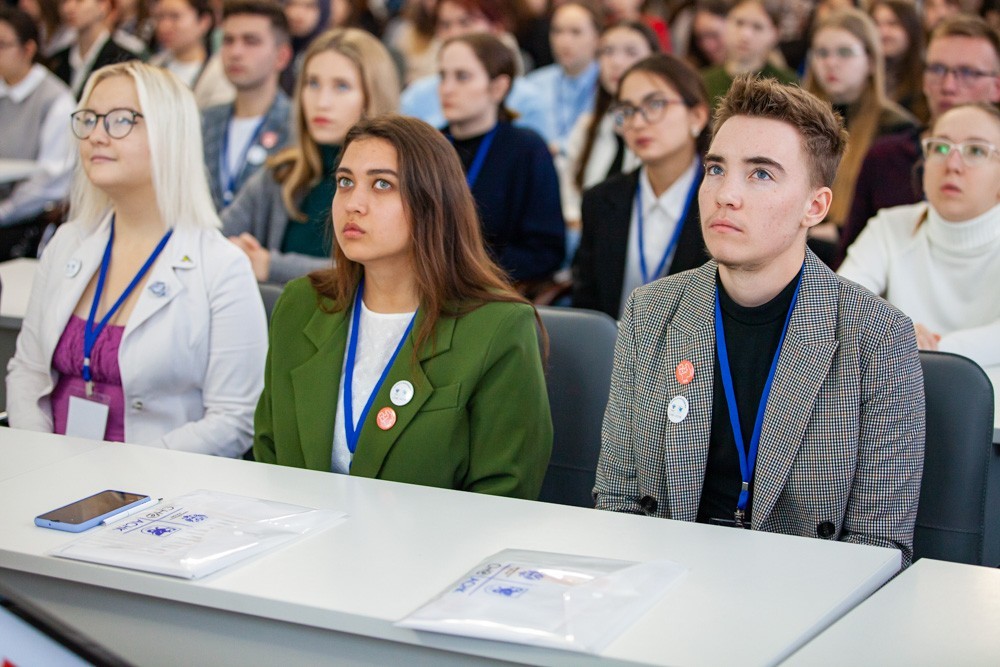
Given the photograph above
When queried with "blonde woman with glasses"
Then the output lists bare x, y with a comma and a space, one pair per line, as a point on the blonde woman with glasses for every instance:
144, 324
939, 261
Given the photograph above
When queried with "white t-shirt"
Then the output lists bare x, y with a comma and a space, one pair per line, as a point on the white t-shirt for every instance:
241, 131
380, 335
186, 72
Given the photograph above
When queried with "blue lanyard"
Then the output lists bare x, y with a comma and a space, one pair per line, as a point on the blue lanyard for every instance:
480, 159
646, 277
354, 432
229, 178
748, 459
90, 332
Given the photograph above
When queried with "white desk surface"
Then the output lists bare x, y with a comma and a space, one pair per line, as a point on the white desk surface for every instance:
994, 374
18, 456
934, 613
17, 276
15, 170
402, 544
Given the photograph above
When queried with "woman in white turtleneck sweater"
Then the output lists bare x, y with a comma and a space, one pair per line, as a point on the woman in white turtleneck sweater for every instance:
939, 261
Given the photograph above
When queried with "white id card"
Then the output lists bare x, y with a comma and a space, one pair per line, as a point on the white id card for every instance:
88, 417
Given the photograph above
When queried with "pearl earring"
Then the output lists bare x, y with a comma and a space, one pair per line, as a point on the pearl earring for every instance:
695, 132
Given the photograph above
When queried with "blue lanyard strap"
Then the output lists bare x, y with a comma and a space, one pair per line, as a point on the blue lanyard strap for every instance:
90, 332
354, 432
646, 276
480, 159
748, 459
229, 178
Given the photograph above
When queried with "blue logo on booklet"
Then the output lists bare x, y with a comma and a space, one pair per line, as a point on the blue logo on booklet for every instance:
508, 591
531, 575
194, 518
159, 531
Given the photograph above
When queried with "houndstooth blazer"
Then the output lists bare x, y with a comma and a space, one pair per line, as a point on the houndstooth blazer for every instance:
842, 444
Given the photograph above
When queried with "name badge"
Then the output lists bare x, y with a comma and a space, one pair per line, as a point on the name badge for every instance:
88, 417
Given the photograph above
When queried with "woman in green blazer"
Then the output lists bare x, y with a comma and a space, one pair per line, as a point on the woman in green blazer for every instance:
412, 360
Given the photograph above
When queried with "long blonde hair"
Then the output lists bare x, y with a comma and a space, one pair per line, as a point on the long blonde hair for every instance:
863, 126
173, 125
300, 167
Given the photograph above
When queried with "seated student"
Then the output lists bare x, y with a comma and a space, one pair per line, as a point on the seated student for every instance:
182, 29
927, 259
34, 106
643, 225
454, 18
594, 150
751, 37
241, 135
715, 414
902, 37
847, 70
431, 359
94, 46
144, 324
962, 66
53, 33
509, 169
568, 85
307, 20
631, 10
280, 217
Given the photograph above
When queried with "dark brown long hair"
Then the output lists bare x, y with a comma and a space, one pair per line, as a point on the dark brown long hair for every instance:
906, 71
454, 273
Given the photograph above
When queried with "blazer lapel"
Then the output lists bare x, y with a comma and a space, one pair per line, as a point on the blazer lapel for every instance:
80, 268
806, 356
315, 386
163, 285
375, 443
690, 337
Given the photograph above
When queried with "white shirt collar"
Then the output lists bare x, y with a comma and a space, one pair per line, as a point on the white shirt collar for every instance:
673, 199
20, 90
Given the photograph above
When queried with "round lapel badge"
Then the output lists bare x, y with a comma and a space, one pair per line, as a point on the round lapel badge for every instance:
256, 155
684, 372
386, 418
73, 267
677, 410
401, 393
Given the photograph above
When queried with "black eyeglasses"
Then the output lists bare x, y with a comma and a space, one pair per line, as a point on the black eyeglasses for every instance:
965, 76
117, 122
652, 110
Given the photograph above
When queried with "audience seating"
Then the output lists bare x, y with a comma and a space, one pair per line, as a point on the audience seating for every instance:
959, 515
581, 354
269, 293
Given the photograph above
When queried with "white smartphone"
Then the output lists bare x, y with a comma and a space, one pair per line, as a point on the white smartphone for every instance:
90, 511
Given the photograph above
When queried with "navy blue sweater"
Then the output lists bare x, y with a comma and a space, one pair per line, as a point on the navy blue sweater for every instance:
517, 196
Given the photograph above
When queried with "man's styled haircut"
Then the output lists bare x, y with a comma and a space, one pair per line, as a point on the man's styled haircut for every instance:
966, 25
823, 137
269, 9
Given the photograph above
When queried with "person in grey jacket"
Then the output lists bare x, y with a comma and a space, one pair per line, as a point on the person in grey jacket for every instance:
280, 218
761, 390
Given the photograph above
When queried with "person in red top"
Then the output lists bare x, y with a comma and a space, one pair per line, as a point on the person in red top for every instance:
631, 10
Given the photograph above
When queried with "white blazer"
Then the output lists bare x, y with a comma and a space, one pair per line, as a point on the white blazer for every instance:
192, 353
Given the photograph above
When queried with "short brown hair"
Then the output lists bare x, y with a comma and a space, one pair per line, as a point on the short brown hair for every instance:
824, 138
453, 270
496, 58
966, 25
269, 9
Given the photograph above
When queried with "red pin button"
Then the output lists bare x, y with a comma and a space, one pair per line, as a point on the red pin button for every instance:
269, 140
386, 418
684, 372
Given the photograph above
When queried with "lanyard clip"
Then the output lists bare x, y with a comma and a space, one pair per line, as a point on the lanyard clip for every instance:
90, 388
738, 519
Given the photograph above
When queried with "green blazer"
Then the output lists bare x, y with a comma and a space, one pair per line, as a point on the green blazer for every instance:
479, 419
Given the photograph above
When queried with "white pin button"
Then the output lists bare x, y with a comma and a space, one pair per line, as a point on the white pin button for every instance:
158, 288
401, 393
256, 155
677, 410
73, 267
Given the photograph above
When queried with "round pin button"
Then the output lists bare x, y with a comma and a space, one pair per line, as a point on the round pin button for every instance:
684, 372
677, 410
73, 267
386, 418
401, 393
256, 155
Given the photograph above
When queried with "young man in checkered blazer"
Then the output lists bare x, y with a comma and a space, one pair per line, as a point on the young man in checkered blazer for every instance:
819, 378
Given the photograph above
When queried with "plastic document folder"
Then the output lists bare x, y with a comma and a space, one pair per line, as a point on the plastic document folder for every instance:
547, 599
198, 533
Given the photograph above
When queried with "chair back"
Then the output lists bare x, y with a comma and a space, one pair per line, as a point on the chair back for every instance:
958, 518
269, 293
581, 354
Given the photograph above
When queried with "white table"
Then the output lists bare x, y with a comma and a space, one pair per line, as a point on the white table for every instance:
337, 593
16, 170
994, 374
934, 613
